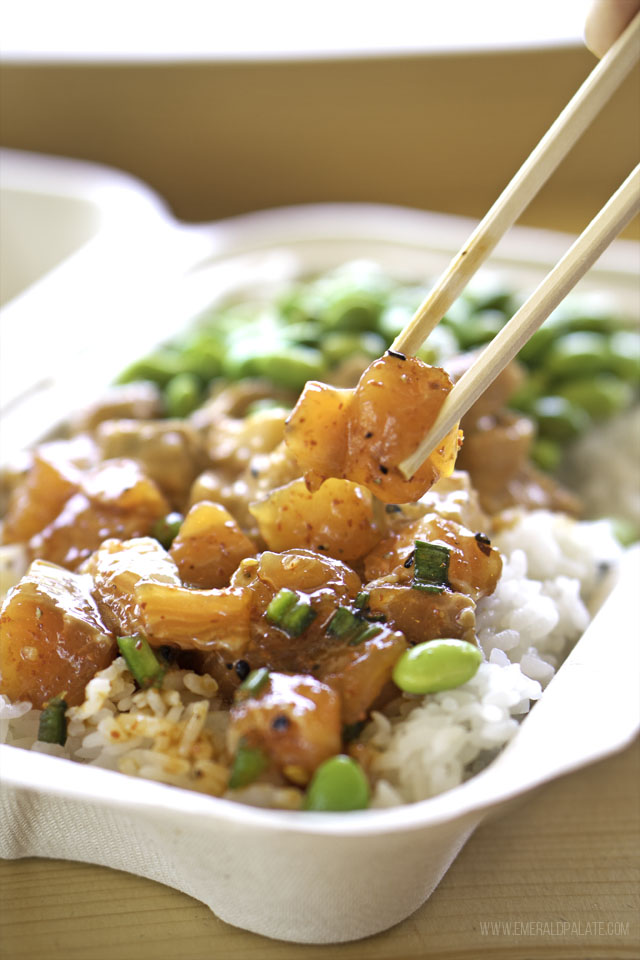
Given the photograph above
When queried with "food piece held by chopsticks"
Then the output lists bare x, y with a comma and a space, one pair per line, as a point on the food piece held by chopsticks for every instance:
364, 434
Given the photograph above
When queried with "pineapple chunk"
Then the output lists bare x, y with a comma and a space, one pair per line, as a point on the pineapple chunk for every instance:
117, 568
337, 519
52, 638
209, 546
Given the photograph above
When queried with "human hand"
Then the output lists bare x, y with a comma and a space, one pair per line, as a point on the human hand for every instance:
605, 22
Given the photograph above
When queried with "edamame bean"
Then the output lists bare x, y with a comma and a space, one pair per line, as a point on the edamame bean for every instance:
480, 328
248, 764
488, 293
306, 332
436, 665
623, 355
353, 310
601, 396
182, 395
338, 784
535, 349
159, 367
340, 346
546, 454
578, 355
202, 355
558, 418
290, 367
529, 392
624, 530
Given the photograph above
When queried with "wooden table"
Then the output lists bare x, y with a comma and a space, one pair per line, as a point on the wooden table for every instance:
555, 878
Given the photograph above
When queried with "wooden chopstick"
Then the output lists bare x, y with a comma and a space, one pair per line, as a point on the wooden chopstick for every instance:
556, 143
583, 253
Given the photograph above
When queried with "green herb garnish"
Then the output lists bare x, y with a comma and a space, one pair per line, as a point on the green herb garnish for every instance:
290, 612
431, 566
52, 727
248, 764
142, 662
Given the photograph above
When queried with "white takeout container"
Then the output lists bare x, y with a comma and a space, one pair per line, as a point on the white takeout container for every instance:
313, 878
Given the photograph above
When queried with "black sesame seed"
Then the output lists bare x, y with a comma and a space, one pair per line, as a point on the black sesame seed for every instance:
280, 722
396, 353
368, 434
409, 561
384, 469
484, 543
229, 666
242, 669
392, 508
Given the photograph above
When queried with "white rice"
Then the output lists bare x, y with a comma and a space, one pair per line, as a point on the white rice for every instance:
552, 565
552, 569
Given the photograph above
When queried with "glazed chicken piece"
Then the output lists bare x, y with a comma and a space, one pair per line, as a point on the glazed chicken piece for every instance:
474, 568
209, 546
232, 442
117, 569
114, 499
38, 499
474, 565
294, 719
337, 519
52, 637
265, 472
320, 581
358, 672
138, 589
422, 616
127, 401
364, 434
361, 674
454, 498
169, 451
497, 445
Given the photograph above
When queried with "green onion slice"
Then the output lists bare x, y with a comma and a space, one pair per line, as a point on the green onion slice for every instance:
255, 681
166, 529
431, 566
365, 632
141, 661
290, 612
343, 622
248, 764
348, 626
53, 722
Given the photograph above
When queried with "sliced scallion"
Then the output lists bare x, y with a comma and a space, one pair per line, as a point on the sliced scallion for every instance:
142, 662
362, 600
255, 681
342, 623
365, 632
431, 566
348, 626
291, 613
52, 727
248, 764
